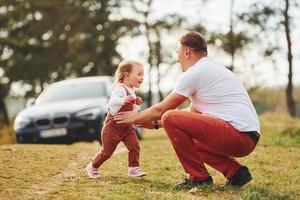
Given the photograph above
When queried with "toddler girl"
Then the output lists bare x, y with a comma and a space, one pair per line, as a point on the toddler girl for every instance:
129, 75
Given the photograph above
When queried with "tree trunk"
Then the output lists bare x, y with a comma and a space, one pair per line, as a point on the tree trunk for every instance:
159, 61
161, 96
3, 109
231, 37
149, 100
289, 89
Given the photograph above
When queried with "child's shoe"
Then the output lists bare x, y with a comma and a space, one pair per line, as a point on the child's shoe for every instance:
92, 172
136, 172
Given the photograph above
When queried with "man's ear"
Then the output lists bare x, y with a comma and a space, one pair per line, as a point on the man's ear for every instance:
188, 52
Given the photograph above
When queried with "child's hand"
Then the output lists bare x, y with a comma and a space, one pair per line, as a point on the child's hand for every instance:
128, 99
138, 100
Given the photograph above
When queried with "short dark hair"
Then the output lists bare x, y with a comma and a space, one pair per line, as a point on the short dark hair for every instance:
194, 40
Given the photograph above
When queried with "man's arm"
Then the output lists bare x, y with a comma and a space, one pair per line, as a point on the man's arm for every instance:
155, 112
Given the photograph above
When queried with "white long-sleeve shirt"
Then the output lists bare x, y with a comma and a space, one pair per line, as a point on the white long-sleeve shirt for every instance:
117, 98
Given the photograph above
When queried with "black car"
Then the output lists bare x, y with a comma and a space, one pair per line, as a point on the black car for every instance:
66, 111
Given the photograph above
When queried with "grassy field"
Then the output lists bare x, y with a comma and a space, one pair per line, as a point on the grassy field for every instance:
57, 171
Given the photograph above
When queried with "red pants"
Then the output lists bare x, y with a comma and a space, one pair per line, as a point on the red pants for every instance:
111, 138
199, 139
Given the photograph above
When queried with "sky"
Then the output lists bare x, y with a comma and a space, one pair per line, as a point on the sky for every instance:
252, 67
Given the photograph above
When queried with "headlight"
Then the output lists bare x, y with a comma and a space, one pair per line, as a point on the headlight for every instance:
21, 122
89, 114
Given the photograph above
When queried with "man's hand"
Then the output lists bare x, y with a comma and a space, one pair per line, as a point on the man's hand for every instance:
153, 113
138, 100
127, 117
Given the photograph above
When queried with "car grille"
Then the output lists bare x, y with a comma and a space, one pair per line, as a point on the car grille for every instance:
60, 120
57, 121
43, 122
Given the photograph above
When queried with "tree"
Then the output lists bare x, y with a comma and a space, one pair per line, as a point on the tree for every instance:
232, 42
45, 41
154, 31
270, 17
289, 89
50, 41
3, 109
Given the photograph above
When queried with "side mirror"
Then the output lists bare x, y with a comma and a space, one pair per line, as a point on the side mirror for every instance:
30, 102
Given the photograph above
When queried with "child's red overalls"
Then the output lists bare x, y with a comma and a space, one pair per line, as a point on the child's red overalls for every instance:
113, 133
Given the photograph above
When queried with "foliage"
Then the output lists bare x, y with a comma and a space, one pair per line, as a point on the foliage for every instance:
154, 30
275, 17
49, 41
45, 41
280, 129
292, 132
231, 42
272, 99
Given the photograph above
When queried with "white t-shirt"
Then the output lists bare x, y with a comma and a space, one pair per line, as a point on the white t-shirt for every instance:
117, 98
216, 91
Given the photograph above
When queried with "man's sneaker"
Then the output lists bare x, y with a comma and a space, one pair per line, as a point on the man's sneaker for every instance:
92, 171
188, 184
240, 178
136, 172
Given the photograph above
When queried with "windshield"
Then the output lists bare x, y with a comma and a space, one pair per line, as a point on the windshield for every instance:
72, 92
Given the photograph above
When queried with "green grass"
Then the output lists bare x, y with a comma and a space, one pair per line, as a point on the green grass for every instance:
280, 129
57, 171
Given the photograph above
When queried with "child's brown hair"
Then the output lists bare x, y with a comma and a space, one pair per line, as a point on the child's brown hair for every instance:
124, 67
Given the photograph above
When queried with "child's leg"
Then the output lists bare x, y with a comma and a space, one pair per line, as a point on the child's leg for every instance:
132, 143
109, 144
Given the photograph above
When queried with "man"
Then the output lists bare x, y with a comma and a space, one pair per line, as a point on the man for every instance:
221, 122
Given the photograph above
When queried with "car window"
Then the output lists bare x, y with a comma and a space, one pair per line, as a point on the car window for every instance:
73, 91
